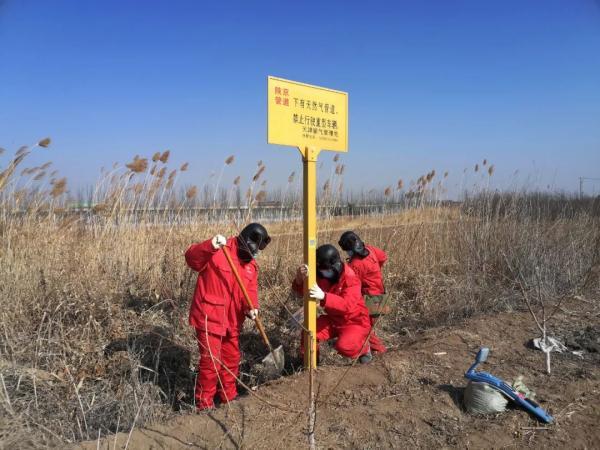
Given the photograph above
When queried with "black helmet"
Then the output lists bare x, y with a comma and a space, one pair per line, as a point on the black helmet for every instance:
252, 238
328, 259
350, 242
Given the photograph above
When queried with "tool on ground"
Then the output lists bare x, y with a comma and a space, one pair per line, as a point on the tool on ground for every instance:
484, 377
275, 360
481, 398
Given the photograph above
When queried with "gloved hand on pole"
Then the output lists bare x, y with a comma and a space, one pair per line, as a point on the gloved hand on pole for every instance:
316, 292
218, 241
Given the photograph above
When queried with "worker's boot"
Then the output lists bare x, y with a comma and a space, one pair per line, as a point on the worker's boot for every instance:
366, 358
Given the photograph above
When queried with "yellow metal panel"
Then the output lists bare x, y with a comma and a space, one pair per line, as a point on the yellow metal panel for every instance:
303, 116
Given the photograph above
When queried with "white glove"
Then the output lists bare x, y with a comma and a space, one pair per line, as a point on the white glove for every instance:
218, 241
316, 292
252, 314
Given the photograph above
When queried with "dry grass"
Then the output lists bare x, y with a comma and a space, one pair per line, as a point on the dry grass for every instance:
93, 309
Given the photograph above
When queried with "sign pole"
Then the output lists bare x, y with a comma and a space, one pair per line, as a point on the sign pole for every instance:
309, 165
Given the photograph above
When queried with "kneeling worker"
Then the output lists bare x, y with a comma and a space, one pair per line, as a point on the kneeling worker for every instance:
218, 308
338, 290
367, 261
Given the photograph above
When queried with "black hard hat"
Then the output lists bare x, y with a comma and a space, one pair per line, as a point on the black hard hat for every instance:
252, 238
328, 258
349, 241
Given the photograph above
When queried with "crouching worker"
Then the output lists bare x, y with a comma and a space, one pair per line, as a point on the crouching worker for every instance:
338, 290
218, 308
367, 261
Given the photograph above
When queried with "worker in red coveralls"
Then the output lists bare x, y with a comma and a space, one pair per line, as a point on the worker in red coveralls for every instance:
218, 308
367, 261
338, 290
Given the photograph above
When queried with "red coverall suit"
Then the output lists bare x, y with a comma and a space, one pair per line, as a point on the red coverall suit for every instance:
347, 316
368, 269
218, 312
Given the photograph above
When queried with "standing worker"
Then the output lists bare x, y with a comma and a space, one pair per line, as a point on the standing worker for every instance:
218, 308
367, 261
338, 291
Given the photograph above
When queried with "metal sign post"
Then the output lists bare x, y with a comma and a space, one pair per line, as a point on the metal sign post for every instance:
309, 166
310, 118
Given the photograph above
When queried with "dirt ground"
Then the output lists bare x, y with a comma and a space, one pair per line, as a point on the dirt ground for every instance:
411, 396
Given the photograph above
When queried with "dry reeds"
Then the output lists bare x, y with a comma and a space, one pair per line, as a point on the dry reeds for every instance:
6, 174
261, 196
97, 315
191, 193
138, 188
138, 165
59, 187
44, 143
164, 157
258, 173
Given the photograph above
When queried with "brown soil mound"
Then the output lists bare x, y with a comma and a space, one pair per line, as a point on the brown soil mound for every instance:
411, 396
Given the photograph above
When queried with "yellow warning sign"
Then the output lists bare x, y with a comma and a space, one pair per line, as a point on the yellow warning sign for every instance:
302, 115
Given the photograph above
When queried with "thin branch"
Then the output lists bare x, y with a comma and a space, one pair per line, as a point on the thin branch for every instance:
528, 303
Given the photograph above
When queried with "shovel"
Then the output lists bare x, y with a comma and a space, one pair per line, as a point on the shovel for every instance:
275, 360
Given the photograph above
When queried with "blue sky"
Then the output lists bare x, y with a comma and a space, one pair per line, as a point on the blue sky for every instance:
432, 84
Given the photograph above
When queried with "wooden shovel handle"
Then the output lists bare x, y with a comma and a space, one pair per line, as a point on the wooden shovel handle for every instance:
240, 283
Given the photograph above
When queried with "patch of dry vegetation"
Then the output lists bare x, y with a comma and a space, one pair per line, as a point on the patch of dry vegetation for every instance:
93, 306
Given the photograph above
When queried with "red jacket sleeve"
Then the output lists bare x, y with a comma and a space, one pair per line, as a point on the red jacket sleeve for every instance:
345, 302
198, 255
380, 255
252, 288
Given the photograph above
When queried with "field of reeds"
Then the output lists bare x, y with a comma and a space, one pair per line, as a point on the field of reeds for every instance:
94, 291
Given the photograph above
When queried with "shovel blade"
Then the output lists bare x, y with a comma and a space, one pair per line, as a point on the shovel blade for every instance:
275, 361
